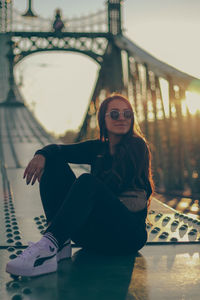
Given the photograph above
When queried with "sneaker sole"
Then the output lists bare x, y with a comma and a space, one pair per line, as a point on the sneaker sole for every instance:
41, 270
64, 253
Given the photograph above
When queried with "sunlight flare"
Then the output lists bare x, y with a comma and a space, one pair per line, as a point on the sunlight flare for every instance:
193, 102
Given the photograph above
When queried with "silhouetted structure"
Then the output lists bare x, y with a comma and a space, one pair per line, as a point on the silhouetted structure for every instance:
58, 24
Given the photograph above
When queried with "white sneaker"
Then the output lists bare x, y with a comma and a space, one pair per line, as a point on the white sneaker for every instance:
39, 258
65, 251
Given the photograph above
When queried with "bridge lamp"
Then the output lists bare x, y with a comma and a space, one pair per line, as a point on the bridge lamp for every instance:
29, 12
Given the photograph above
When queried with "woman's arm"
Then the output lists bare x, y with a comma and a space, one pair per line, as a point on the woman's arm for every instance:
75, 153
80, 153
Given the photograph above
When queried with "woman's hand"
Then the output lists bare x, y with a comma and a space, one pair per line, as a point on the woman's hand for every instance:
35, 169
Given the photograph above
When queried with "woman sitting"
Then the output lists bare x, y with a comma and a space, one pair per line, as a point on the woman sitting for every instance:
104, 211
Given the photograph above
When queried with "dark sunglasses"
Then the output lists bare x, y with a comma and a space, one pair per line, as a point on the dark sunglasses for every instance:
114, 114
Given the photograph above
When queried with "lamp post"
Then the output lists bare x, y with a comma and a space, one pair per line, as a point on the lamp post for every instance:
11, 97
29, 12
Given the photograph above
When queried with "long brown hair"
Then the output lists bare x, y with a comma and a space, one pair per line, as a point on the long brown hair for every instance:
133, 131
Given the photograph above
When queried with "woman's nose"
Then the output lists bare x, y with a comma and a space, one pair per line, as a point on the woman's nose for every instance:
121, 116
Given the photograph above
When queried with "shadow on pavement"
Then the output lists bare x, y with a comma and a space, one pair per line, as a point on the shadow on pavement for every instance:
88, 276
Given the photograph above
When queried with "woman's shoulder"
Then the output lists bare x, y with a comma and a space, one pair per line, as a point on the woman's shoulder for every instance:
95, 144
139, 141
90, 141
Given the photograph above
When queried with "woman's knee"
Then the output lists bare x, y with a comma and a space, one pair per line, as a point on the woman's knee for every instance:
85, 178
57, 172
55, 163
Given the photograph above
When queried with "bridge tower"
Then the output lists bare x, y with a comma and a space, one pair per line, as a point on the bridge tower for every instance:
111, 71
7, 82
114, 16
110, 77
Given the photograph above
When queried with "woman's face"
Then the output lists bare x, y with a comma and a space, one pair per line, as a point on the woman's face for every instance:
122, 124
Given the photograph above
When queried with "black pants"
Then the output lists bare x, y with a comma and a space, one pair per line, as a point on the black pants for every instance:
88, 212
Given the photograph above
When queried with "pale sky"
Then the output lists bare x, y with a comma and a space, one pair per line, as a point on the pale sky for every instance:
58, 85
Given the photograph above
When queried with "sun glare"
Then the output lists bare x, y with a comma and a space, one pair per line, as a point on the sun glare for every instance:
193, 102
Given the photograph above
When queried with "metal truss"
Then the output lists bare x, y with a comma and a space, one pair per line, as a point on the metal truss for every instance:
90, 44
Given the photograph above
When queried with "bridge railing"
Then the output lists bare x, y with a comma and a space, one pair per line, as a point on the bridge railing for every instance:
96, 22
162, 98
160, 95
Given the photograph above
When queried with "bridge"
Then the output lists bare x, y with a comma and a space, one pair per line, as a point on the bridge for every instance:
159, 271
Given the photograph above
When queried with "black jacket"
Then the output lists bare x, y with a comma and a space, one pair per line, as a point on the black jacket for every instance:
127, 169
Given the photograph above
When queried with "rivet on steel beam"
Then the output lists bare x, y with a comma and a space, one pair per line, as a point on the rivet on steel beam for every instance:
15, 227
174, 239
9, 235
11, 249
192, 232
164, 235
14, 285
16, 232
148, 226
155, 230
10, 241
18, 243
183, 227
181, 216
175, 223
17, 297
12, 256
26, 291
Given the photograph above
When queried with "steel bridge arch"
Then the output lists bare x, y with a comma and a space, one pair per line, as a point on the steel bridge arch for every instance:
96, 58
92, 45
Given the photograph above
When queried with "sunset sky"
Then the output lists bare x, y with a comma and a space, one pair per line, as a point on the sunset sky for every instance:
57, 86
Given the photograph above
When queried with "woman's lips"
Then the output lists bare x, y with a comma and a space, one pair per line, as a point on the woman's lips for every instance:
121, 125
